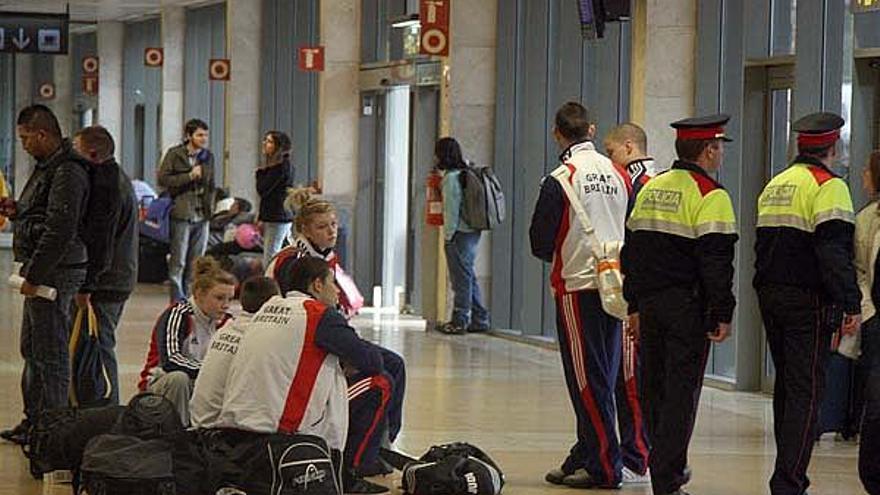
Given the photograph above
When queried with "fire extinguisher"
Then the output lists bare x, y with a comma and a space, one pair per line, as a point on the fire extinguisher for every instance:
434, 196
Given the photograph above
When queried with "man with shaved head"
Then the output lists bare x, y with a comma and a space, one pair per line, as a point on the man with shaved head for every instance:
48, 244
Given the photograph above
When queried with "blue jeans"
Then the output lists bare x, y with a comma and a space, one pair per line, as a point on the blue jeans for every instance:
468, 309
188, 241
274, 234
869, 446
108, 314
45, 327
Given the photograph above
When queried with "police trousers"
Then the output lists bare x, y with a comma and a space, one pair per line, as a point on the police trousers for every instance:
799, 338
674, 352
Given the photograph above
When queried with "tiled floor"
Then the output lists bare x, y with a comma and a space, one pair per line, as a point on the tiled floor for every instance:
506, 397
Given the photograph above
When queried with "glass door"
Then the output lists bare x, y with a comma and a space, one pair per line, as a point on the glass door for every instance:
778, 152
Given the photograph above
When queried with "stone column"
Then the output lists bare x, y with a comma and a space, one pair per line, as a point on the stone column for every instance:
110, 42
173, 43
472, 98
62, 105
663, 63
243, 37
23, 98
338, 98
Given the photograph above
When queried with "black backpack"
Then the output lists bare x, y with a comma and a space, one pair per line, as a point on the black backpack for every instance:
482, 200
449, 469
58, 437
149, 416
137, 457
127, 465
282, 465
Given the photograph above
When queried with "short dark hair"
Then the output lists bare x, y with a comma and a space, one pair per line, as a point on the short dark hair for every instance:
573, 121
255, 291
40, 118
192, 125
630, 131
690, 149
820, 152
244, 206
448, 153
98, 140
298, 274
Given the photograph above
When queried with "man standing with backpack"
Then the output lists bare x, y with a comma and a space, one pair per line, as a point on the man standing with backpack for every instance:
585, 189
47, 241
187, 173
468, 313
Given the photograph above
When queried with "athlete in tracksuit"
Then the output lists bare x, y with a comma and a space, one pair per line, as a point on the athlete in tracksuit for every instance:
626, 145
589, 338
369, 395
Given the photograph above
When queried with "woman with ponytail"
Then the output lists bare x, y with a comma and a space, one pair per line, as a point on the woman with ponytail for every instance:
183, 333
274, 177
315, 230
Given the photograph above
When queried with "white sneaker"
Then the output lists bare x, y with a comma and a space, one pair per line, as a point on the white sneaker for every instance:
631, 477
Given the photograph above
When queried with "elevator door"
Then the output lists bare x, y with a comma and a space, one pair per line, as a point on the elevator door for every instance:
767, 144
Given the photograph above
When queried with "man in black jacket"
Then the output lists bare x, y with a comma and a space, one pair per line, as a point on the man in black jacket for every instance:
111, 278
47, 241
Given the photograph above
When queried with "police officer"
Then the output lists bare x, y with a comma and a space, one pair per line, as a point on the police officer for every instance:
678, 263
806, 287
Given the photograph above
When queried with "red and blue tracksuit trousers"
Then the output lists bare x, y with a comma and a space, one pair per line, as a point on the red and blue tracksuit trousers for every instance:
591, 346
375, 410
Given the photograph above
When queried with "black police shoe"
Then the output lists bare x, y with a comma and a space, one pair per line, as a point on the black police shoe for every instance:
582, 479
17, 434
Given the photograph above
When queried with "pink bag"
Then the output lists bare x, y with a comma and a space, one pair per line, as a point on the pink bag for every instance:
350, 297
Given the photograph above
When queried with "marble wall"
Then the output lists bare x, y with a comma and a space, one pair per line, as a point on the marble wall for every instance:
668, 71
173, 39
243, 96
472, 97
110, 43
338, 99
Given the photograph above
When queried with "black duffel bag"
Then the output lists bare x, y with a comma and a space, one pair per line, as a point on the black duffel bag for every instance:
449, 469
127, 465
58, 437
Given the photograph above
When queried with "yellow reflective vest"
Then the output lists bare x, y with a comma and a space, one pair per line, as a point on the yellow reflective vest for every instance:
681, 233
805, 233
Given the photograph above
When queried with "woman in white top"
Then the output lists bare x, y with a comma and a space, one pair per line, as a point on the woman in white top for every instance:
867, 244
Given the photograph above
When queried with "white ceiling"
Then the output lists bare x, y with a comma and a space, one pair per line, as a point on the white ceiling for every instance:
96, 10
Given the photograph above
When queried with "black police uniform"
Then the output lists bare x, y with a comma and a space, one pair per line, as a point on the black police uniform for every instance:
805, 281
678, 265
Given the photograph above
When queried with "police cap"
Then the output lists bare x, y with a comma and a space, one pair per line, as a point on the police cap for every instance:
707, 127
818, 130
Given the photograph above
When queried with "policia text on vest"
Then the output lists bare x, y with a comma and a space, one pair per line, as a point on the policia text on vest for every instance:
678, 262
806, 286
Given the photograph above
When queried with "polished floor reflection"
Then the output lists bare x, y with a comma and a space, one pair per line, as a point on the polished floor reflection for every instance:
506, 397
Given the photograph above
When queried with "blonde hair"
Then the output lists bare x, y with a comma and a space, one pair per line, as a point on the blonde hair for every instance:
305, 206
207, 274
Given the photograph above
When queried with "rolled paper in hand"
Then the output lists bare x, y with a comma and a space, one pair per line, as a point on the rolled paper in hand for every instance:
16, 281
